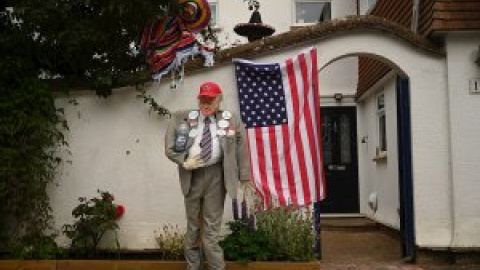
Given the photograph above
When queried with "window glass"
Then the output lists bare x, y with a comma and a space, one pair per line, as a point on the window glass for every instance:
382, 123
345, 140
308, 11
366, 6
327, 132
214, 11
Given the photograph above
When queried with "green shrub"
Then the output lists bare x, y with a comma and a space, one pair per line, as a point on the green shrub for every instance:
244, 244
289, 232
94, 217
281, 234
171, 242
37, 246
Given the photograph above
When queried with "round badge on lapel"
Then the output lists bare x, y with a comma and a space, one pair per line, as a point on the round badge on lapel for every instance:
226, 115
193, 133
223, 123
221, 132
192, 115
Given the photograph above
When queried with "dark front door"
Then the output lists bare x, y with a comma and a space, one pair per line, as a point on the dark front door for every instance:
340, 160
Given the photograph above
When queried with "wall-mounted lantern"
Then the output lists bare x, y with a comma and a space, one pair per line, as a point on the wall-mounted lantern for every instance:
338, 97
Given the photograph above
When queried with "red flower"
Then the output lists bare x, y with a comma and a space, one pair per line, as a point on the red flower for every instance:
107, 196
119, 210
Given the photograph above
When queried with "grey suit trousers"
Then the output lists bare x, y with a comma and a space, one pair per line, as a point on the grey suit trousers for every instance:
207, 193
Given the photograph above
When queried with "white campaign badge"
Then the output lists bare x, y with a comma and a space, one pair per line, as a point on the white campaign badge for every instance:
192, 115
226, 115
193, 133
223, 123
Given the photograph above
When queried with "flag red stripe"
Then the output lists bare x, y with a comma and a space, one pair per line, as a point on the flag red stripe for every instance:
277, 178
296, 132
308, 122
262, 166
321, 189
289, 165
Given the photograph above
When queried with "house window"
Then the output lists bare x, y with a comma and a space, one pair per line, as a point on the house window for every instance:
312, 11
366, 6
214, 11
382, 123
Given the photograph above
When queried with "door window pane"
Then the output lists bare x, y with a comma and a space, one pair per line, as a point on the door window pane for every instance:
327, 139
345, 140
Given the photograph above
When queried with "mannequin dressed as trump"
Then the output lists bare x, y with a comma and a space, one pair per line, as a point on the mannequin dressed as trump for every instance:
208, 145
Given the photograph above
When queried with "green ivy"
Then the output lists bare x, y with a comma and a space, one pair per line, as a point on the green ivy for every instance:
30, 135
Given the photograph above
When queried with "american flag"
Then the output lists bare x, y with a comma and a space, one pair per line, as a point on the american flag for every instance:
279, 105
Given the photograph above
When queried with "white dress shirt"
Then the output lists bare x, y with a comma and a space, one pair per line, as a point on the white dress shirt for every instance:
216, 149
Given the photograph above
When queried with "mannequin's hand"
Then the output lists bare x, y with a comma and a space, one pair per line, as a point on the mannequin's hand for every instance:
248, 194
193, 163
247, 186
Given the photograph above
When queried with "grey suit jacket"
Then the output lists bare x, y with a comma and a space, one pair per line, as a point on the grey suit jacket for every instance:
234, 153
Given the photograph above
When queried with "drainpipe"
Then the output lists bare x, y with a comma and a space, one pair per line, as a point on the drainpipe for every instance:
415, 12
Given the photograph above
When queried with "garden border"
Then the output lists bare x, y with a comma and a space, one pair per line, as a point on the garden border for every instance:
144, 265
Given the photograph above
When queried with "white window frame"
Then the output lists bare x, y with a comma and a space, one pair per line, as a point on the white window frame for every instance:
381, 132
294, 10
215, 2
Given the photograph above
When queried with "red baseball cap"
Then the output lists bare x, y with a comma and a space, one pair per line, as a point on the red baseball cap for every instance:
209, 89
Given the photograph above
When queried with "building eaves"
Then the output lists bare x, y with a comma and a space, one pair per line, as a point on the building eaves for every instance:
307, 34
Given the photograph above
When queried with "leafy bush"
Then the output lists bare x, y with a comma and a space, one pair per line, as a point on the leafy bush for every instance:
171, 241
244, 244
289, 232
35, 246
94, 217
282, 234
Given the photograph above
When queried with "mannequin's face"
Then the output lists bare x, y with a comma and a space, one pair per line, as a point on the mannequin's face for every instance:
209, 105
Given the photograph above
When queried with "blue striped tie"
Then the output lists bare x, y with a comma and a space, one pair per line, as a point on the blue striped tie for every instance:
206, 142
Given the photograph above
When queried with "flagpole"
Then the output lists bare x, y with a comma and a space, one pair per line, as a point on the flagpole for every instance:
318, 235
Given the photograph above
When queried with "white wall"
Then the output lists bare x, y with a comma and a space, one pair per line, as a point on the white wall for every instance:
146, 182
464, 110
379, 177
